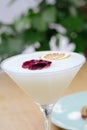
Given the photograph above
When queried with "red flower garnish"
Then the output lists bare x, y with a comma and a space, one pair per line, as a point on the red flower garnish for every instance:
36, 64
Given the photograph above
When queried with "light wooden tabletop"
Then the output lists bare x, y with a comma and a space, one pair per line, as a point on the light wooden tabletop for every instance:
19, 112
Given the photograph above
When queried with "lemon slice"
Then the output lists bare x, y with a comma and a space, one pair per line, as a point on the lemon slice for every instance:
55, 56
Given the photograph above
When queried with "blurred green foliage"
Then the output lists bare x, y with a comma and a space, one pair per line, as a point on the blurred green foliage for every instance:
35, 26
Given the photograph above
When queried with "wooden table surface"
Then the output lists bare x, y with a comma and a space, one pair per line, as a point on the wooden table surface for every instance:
19, 112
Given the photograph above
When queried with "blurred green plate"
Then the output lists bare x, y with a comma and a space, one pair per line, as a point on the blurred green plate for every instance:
67, 112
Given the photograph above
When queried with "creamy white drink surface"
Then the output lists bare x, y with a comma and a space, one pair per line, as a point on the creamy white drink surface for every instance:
71, 60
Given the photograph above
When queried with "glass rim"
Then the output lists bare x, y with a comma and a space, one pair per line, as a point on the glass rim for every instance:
41, 73
44, 73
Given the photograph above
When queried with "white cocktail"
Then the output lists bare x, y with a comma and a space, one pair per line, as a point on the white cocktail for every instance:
45, 85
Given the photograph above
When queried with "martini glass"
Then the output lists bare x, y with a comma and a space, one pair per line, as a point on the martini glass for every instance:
45, 85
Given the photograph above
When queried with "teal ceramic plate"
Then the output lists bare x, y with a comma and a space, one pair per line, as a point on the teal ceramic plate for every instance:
67, 112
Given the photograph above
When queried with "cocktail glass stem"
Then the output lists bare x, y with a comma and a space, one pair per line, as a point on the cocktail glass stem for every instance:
46, 110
